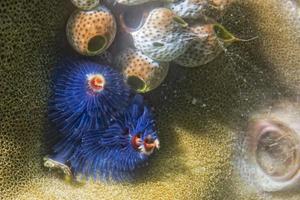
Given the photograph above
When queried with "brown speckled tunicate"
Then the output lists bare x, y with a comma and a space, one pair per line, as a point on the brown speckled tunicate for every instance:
164, 35
204, 49
189, 8
142, 73
136, 2
86, 4
91, 32
193, 9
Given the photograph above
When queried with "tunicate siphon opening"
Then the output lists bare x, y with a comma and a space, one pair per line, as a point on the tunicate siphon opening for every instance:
223, 34
158, 44
133, 19
97, 44
136, 83
180, 21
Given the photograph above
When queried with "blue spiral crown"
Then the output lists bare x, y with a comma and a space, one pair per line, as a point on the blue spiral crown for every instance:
118, 151
86, 96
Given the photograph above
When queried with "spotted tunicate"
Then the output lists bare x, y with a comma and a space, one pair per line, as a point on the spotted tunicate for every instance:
91, 32
205, 48
86, 4
141, 72
164, 35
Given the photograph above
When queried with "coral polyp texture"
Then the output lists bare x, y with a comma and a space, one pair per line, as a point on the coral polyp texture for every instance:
205, 48
141, 72
86, 4
163, 36
271, 143
117, 152
86, 96
196, 114
91, 32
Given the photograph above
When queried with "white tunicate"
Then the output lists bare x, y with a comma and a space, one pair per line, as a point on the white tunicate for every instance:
164, 36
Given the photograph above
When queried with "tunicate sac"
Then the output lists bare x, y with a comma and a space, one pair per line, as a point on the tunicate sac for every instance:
91, 32
163, 36
137, 2
86, 4
193, 9
205, 48
141, 72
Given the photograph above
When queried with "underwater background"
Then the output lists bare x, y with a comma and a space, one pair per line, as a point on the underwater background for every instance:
201, 113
